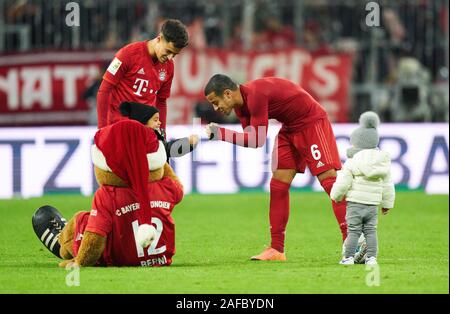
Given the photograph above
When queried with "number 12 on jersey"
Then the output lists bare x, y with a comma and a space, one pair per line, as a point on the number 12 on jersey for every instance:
152, 250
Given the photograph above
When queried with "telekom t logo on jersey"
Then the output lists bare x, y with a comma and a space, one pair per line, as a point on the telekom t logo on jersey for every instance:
141, 86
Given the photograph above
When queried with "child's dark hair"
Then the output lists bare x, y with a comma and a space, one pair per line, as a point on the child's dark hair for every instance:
137, 111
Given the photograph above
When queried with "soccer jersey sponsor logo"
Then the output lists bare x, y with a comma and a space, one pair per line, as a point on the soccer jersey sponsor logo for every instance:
127, 209
160, 204
139, 85
114, 66
320, 164
141, 71
93, 212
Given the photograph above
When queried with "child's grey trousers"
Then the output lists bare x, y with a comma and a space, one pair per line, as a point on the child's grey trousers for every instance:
361, 218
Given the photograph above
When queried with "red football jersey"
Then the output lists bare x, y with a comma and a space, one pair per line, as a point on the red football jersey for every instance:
116, 214
272, 98
137, 78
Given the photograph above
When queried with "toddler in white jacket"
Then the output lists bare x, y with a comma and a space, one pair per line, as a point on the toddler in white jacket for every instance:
365, 182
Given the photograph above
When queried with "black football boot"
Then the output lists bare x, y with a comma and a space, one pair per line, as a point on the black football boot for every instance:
48, 224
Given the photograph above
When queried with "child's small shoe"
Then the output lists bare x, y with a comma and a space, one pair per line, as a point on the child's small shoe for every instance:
371, 260
347, 261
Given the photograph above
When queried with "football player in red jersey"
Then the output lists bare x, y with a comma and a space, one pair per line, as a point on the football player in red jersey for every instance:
305, 139
141, 72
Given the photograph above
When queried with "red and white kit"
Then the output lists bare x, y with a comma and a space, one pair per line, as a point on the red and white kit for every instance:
134, 76
116, 215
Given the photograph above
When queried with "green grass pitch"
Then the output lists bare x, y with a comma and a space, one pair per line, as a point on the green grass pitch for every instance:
216, 235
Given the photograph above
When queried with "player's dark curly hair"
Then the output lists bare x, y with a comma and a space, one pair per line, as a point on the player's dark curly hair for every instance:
175, 32
218, 84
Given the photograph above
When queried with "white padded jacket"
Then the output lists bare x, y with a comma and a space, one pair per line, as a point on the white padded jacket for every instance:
366, 179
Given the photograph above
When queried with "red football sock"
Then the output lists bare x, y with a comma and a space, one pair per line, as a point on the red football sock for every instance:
279, 212
338, 208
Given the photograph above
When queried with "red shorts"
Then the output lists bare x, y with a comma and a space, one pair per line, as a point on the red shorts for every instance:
314, 146
80, 225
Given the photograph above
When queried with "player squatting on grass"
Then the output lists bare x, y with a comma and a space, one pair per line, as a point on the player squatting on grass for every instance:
365, 181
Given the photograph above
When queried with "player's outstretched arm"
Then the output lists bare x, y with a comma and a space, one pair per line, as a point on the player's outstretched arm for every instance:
252, 136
